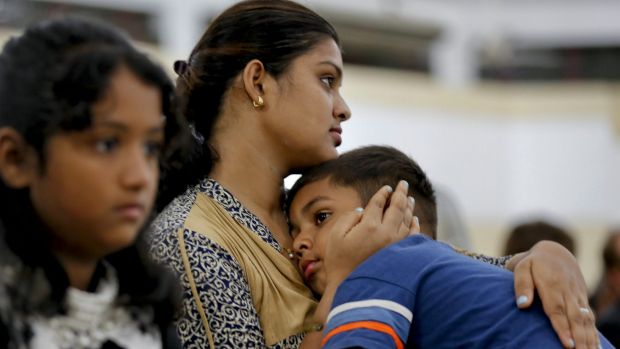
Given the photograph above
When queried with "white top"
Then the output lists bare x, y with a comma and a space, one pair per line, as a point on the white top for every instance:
93, 319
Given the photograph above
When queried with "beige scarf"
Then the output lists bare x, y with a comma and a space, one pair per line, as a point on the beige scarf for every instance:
279, 295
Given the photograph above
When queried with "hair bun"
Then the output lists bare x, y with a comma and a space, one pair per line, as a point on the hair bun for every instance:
180, 67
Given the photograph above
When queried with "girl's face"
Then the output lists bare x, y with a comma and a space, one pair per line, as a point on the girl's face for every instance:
306, 108
97, 186
313, 211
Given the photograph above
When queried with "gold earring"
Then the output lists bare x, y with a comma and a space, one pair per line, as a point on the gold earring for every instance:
259, 103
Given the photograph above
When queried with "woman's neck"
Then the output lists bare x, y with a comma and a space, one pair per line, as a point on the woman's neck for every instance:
255, 178
250, 177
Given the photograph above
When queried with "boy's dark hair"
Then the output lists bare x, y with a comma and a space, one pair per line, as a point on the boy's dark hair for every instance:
369, 168
49, 79
276, 32
527, 234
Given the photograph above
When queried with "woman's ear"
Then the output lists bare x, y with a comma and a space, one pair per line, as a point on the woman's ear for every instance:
254, 75
17, 159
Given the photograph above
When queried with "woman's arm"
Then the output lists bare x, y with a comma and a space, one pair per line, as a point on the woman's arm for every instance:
551, 270
216, 294
498, 261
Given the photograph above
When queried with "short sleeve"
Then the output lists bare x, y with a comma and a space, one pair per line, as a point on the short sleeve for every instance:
369, 313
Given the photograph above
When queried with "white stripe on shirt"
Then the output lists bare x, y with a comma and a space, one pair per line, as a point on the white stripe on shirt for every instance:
381, 303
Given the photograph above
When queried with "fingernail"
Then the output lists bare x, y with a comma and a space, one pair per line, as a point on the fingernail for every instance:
600, 346
359, 210
417, 221
571, 343
389, 189
406, 184
412, 200
522, 300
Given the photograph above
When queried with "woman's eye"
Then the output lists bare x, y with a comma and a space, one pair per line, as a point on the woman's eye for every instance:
106, 145
328, 81
320, 217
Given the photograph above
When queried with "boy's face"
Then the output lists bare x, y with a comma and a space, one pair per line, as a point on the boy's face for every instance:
97, 186
313, 212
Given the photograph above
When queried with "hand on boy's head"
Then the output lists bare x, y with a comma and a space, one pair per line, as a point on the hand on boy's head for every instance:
358, 235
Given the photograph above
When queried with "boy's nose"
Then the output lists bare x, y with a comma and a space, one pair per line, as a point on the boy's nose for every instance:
301, 244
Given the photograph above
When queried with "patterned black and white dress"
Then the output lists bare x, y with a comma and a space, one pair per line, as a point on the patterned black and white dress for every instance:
90, 320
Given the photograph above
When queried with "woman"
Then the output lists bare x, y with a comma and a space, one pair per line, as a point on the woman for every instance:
261, 90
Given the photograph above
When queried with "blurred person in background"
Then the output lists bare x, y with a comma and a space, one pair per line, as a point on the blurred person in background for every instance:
525, 235
606, 299
451, 227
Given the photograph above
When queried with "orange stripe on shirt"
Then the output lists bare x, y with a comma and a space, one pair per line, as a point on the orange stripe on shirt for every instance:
369, 325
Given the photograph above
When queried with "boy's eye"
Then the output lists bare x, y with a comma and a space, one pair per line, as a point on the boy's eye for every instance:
106, 145
320, 217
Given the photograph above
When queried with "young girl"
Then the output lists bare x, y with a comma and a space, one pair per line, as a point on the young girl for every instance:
84, 120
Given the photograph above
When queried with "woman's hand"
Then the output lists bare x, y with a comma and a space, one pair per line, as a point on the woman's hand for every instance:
387, 218
553, 272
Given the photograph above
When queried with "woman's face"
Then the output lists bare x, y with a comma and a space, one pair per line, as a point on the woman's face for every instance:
306, 109
98, 185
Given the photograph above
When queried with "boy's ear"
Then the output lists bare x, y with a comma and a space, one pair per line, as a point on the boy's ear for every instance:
17, 159
253, 76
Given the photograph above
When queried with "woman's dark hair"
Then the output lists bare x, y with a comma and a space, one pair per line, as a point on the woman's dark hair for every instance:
272, 31
49, 79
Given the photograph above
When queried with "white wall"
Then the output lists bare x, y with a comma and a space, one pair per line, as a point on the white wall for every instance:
503, 168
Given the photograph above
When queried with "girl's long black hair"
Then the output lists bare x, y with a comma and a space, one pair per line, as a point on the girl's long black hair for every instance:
49, 79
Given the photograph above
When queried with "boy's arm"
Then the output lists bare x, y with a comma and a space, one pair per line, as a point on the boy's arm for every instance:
552, 271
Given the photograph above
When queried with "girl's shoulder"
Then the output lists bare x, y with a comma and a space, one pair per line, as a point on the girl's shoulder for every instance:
21, 291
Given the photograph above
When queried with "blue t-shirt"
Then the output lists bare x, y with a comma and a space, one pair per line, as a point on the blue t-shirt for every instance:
419, 293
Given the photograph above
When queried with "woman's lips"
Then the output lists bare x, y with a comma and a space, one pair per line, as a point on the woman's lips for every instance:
336, 134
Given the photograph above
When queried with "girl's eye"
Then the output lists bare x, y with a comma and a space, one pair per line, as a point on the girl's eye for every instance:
106, 145
320, 217
153, 148
328, 81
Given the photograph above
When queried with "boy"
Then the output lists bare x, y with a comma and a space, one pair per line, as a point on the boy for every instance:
417, 292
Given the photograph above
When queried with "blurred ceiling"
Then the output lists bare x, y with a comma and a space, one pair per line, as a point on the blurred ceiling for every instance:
457, 42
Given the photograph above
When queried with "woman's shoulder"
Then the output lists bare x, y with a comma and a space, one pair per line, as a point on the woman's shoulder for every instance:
173, 216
